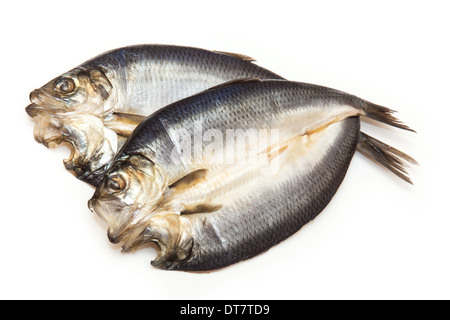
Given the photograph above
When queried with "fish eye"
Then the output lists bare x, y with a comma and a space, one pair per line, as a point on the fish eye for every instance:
65, 85
115, 184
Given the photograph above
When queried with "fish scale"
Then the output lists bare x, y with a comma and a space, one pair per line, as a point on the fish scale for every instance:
202, 223
165, 65
114, 91
230, 106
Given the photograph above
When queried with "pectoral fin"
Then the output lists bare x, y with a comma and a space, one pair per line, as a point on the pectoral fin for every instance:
189, 180
201, 208
123, 123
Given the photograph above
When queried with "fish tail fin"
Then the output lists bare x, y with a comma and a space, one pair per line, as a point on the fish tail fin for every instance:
383, 114
392, 159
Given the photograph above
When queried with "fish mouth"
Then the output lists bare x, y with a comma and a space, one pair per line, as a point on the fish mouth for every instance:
49, 123
37, 106
126, 235
130, 235
46, 130
33, 110
106, 210
122, 233
133, 238
114, 237
92, 145
41, 103
49, 131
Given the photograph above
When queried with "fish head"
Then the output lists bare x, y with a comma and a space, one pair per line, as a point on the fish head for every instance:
70, 110
127, 196
79, 90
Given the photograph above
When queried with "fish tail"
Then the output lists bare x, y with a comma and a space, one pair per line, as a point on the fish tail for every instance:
392, 159
383, 114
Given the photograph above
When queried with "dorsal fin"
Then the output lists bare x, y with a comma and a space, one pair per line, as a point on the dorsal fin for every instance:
236, 55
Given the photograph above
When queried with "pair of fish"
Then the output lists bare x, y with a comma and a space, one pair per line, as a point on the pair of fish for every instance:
231, 160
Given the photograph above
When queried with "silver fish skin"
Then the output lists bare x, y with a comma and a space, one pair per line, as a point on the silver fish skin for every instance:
277, 207
95, 106
206, 215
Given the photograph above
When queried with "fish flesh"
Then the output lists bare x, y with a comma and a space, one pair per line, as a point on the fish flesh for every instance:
94, 107
226, 174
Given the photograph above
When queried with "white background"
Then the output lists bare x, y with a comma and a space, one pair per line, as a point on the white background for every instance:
379, 238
